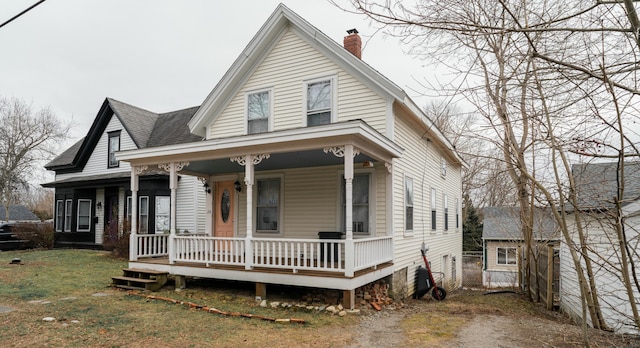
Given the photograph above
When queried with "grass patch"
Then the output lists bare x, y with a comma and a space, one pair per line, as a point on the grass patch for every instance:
67, 279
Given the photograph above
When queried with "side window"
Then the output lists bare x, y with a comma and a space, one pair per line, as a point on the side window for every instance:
59, 215
408, 204
68, 210
446, 212
114, 146
163, 214
268, 205
84, 215
457, 214
258, 112
319, 95
360, 204
143, 214
433, 209
506, 256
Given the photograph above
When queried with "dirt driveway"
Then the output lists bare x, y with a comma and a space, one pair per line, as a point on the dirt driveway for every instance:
472, 319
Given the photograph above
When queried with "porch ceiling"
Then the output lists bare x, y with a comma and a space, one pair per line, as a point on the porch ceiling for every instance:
292, 148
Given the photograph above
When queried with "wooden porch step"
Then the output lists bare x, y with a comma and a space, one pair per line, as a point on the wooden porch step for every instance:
140, 279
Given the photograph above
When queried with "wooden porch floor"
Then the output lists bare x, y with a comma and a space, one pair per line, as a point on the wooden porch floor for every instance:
313, 273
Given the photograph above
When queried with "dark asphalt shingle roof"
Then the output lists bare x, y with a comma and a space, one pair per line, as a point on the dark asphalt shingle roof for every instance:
504, 223
597, 184
18, 213
146, 128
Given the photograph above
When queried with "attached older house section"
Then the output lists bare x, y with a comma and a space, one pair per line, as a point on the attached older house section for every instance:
92, 193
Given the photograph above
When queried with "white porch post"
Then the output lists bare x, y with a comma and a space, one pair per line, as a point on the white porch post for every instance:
173, 186
248, 181
133, 237
349, 257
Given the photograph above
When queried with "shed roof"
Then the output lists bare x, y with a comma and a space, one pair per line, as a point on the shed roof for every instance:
504, 223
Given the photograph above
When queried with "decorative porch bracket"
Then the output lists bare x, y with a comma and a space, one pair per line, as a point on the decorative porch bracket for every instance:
173, 168
349, 153
249, 162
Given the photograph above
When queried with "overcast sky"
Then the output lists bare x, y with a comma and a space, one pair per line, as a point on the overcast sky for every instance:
160, 55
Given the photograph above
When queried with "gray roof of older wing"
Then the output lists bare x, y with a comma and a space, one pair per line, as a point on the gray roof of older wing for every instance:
504, 223
146, 128
597, 184
18, 213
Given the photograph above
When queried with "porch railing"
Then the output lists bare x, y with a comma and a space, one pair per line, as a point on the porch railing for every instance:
151, 245
323, 255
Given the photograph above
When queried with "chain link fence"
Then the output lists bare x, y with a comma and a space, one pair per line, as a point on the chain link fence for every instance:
472, 269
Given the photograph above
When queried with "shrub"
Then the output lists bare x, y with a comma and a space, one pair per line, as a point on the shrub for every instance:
116, 239
37, 235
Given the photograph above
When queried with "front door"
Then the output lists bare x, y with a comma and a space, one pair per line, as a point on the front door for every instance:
223, 213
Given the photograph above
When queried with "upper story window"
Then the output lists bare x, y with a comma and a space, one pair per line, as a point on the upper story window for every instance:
408, 204
114, 146
320, 95
446, 212
259, 112
433, 209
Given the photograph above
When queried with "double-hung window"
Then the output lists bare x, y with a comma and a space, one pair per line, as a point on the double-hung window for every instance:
457, 214
259, 109
268, 205
59, 215
114, 146
359, 203
319, 95
84, 215
408, 204
433, 209
446, 212
143, 214
506, 256
163, 214
68, 210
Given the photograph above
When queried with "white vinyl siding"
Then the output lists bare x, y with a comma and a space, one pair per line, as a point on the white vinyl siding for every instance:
191, 205
286, 73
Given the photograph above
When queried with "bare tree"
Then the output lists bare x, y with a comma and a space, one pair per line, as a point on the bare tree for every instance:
551, 80
27, 138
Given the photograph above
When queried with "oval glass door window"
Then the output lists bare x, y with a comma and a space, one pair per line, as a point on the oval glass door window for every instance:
225, 206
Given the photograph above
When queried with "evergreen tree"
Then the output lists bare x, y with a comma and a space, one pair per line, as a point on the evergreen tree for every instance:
471, 230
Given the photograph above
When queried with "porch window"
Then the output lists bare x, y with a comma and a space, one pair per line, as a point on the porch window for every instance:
59, 215
84, 215
433, 209
143, 216
68, 210
114, 146
128, 209
408, 203
360, 204
506, 256
258, 112
268, 205
163, 214
446, 212
319, 95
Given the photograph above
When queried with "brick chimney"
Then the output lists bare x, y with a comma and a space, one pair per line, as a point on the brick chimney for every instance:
353, 43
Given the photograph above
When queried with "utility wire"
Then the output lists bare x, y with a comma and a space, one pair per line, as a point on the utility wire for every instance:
21, 13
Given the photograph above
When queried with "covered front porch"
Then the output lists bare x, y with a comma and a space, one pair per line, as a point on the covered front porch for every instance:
280, 241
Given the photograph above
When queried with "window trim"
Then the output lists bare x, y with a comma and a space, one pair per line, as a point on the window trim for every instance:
506, 256
88, 229
445, 204
434, 210
280, 230
59, 215
409, 231
111, 135
68, 215
334, 97
269, 91
155, 215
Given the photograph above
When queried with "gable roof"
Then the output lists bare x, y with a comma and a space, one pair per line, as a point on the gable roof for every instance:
504, 223
18, 213
597, 184
280, 20
145, 128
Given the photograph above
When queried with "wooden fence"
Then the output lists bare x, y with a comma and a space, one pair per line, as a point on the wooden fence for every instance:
544, 274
